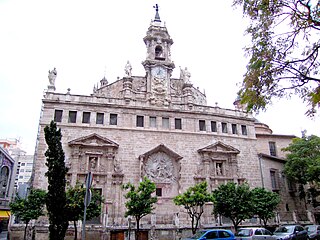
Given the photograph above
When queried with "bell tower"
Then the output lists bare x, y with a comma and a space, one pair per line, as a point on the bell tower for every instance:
158, 64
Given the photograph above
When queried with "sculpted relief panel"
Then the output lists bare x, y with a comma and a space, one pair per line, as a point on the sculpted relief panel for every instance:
162, 166
159, 168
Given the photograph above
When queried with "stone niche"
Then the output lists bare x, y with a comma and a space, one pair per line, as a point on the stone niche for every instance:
218, 165
93, 153
162, 166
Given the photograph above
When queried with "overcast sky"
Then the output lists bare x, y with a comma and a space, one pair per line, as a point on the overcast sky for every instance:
86, 40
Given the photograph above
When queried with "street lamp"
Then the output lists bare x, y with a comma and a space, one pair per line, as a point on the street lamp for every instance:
129, 228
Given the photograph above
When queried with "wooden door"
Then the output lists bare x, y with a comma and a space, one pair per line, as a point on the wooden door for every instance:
116, 235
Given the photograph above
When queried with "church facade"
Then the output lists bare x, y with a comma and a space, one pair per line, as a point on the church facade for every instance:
162, 128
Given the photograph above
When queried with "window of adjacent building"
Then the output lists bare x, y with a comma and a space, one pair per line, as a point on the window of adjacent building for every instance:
72, 117
213, 126
244, 130
202, 125
20, 177
177, 123
99, 118
159, 192
234, 128
153, 122
86, 117
58, 115
272, 148
21, 170
274, 176
224, 127
140, 121
29, 164
291, 186
28, 170
23, 164
113, 119
165, 123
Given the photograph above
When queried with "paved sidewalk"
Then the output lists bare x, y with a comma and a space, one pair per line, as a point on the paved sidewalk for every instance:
3, 235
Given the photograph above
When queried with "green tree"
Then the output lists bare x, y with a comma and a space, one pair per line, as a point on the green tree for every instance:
56, 174
303, 163
283, 55
264, 203
140, 200
75, 205
193, 200
29, 208
233, 201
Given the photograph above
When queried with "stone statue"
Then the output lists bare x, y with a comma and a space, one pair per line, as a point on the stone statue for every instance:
52, 76
93, 163
128, 69
185, 75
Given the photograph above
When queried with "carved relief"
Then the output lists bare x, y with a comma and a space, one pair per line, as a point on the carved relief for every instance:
159, 168
139, 85
162, 166
176, 87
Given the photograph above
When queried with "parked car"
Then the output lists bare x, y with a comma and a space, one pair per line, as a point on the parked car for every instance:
291, 232
216, 234
313, 232
254, 233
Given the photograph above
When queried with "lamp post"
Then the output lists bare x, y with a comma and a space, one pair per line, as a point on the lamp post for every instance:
87, 200
129, 228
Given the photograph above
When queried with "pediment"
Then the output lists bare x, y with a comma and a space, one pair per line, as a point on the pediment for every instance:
219, 147
93, 140
162, 148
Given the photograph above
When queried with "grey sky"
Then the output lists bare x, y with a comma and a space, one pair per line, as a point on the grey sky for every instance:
86, 40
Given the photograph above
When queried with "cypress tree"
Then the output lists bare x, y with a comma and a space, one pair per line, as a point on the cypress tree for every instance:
56, 174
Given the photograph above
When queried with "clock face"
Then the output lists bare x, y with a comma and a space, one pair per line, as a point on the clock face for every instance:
159, 72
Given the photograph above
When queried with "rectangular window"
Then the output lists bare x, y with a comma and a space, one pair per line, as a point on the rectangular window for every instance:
113, 119
140, 121
165, 123
29, 164
224, 127
272, 148
86, 117
177, 123
291, 186
58, 115
153, 122
21, 170
244, 130
213, 126
28, 170
234, 128
23, 164
202, 125
159, 192
72, 117
274, 176
100, 117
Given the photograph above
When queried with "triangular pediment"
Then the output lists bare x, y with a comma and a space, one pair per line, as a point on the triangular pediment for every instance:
219, 147
93, 140
162, 148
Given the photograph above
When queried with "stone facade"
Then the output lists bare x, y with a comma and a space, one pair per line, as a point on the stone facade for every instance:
154, 126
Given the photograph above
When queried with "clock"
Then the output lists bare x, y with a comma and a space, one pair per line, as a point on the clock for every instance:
159, 72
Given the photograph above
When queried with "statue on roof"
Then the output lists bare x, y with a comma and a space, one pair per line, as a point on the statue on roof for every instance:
52, 76
185, 75
128, 69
